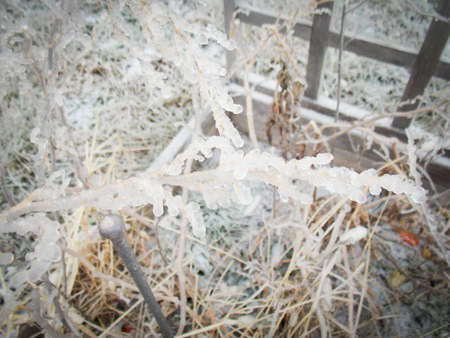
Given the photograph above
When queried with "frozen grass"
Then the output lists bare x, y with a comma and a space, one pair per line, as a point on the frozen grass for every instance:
239, 245
97, 80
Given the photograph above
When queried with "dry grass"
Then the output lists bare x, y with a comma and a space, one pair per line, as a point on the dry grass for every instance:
289, 275
292, 276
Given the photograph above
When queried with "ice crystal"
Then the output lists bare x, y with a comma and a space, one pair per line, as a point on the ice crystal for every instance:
195, 217
354, 235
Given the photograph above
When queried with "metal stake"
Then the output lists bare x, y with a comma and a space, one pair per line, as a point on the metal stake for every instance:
112, 227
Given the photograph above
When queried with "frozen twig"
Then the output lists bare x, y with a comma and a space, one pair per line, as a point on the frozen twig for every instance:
180, 257
249, 109
347, 127
341, 48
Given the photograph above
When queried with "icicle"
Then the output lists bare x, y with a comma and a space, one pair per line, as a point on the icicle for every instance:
195, 217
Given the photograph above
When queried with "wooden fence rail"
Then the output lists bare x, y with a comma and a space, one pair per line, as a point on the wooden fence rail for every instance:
317, 50
359, 46
426, 61
423, 65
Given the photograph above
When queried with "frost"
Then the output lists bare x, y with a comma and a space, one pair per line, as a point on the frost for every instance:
60, 178
242, 193
324, 158
180, 41
326, 294
308, 161
308, 172
6, 258
240, 170
251, 208
75, 317
34, 136
215, 196
226, 102
201, 261
198, 150
220, 37
396, 184
277, 251
211, 197
289, 190
212, 68
412, 156
158, 199
354, 235
245, 321
421, 145
45, 251
226, 128
174, 204
195, 217
9, 303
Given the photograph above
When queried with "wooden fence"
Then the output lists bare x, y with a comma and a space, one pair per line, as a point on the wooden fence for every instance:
422, 66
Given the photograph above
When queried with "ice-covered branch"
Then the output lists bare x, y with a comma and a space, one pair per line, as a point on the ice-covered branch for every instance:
293, 179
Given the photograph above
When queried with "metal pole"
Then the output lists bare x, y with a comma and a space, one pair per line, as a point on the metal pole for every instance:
112, 227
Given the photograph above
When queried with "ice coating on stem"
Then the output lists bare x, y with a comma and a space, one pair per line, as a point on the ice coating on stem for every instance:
195, 217
44, 254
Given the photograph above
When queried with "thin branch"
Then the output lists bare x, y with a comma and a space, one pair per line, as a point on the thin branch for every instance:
435, 16
356, 6
341, 48
360, 124
249, 109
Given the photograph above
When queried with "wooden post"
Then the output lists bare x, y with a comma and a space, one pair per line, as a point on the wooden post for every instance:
228, 9
357, 45
318, 44
425, 63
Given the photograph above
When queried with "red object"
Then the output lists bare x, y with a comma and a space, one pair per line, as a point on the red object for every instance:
409, 238
127, 328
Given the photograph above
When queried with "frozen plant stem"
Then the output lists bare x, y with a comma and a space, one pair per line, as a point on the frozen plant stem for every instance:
249, 109
112, 227
341, 48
